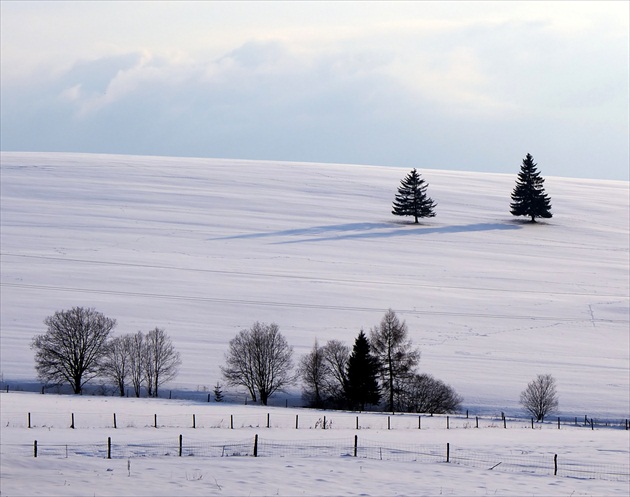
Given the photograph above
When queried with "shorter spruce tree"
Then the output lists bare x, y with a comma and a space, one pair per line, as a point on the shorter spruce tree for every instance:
412, 198
529, 197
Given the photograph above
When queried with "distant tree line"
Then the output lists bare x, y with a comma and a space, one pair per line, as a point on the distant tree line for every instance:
528, 197
379, 371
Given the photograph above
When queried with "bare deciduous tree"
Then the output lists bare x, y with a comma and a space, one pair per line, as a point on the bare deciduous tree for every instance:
72, 348
162, 360
313, 371
540, 397
395, 352
117, 361
260, 359
136, 362
336, 356
424, 393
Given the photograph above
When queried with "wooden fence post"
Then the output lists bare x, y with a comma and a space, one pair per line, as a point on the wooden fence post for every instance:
114, 420
419, 422
231, 421
389, 424
109, 447
532, 423
592, 424
180, 445
267, 420
35, 448
447, 423
324, 425
155, 420
357, 423
296, 421
476, 421
256, 445
555, 464
29, 419
72, 423
504, 422
356, 439
194, 422
558, 422
448, 452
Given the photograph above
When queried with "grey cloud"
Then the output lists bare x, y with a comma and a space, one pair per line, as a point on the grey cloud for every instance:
267, 102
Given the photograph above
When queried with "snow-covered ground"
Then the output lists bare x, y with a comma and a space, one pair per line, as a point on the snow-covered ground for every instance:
206, 247
403, 460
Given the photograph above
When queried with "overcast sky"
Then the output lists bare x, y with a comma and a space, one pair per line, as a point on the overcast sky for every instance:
447, 85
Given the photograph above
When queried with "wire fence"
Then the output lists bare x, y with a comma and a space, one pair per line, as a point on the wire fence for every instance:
303, 420
547, 464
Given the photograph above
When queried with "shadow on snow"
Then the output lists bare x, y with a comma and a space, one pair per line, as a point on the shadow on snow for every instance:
355, 231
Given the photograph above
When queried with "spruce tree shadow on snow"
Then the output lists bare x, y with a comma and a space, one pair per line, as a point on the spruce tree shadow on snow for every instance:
359, 231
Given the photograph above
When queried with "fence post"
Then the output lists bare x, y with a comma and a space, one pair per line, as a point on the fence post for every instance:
592, 424
504, 423
357, 424
208, 397
532, 423
448, 452
194, 422
389, 425
324, 425
466, 413
447, 423
296, 421
356, 439
72, 423
419, 422
256, 445
267, 420
29, 419
35, 448
180, 445
155, 420
231, 421
109, 447
114, 420
626, 425
555, 464
476, 421
558, 422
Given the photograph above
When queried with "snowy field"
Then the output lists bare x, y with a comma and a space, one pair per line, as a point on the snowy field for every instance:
217, 455
206, 247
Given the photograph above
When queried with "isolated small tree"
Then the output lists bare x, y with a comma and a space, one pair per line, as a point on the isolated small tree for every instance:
73, 347
424, 393
261, 360
395, 353
412, 199
117, 361
218, 392
162, 361
529, 197
540, 397
363, 370
313, 372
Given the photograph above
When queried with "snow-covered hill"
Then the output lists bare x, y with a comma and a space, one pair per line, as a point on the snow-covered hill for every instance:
205, 247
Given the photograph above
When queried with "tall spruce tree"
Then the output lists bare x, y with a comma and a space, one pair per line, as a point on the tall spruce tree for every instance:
529, 197
363, 370
412, 199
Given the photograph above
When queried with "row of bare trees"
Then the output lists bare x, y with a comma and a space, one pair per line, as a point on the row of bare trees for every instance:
77, 347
